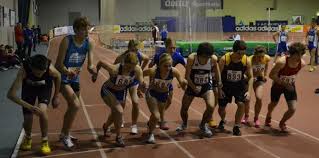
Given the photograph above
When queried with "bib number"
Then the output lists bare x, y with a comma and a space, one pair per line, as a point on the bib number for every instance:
258, 68
283, 38
201, 79
162, 84
290, 80
234, 76
311, 38
123, 80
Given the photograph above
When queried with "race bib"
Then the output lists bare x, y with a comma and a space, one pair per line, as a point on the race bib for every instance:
122, 80
234, 76
259, 67
75, 69
290, 80
162, 84
311, 38
36, 83
283, 38
201, 78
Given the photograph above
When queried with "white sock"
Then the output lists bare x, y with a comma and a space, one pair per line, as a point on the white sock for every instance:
45, 138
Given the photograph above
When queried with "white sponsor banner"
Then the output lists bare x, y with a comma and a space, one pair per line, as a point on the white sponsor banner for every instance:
175, 4
135, 28
247, 28
65, 30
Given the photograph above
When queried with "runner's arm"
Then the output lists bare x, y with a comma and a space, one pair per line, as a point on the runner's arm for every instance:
250, 76
57, 79
266, 66
275, 70
217, 71
90, 66
107, 66
16, 85
274, 36
139, 74
59, 64
145, 59
180, 79
152, 63
149, 72
189, 64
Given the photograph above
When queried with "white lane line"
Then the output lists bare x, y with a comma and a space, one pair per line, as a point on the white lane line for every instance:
313, 138
160, 143
93, 105
17, 146
98, 143
250, 142
261, 148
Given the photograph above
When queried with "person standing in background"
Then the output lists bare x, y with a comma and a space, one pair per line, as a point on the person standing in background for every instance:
39, 34
155, 33
18, 31
164, 33
28, 40
35, 37
281, 38
312, 40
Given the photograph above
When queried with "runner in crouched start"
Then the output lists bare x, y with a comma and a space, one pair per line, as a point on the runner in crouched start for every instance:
259, 63
233, 66
199, 77
36, 79
284, 77
114, 90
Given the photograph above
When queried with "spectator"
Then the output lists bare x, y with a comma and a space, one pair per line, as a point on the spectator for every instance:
39, 34
28, 40
155, 32
3, 63
11, 59
7, 58
236, 37
164, 33
18, 30
35, 37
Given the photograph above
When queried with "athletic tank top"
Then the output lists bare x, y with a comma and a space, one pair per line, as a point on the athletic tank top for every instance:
259, 67
31, 80
234, 72
161, 85
283, 37
75, 56
312, 37
201, 74
288, 74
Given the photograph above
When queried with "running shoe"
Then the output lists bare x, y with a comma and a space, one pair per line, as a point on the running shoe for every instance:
45, 148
